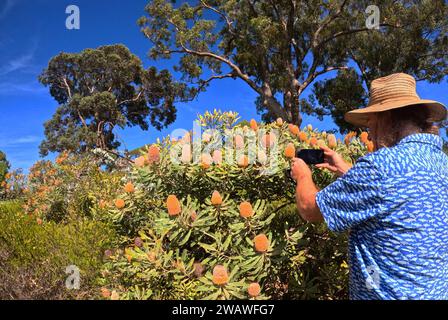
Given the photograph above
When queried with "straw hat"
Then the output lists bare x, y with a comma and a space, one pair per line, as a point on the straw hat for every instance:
397, 90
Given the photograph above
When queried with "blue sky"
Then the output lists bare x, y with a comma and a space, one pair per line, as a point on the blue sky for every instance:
34, 31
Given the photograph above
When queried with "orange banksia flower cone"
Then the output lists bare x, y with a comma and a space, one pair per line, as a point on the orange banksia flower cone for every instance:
313, 141
217, 156
153, 154
279, 121
173, 205
268, 140
332, 143
119, 203
246, 210
105, 292
220, 276
364, 137
253, 124
290, 151
254, 289
140, 161
243, 161
303, 136
216, 198
261, 243
370, 146
294, 129
206, 160
239, 142
129, 187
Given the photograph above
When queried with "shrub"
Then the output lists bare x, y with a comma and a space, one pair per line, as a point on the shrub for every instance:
192, 218
34, 256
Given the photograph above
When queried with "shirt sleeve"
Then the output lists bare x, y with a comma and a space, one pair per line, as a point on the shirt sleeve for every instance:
360, 194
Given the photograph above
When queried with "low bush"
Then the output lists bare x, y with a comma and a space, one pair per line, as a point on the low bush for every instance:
34, 255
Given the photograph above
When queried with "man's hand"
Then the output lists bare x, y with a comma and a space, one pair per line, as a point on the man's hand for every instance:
333, 162
300, 170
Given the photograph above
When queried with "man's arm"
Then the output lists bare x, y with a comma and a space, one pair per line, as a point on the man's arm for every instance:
306, 192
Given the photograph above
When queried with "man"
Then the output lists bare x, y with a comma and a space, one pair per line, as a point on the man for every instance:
394, 201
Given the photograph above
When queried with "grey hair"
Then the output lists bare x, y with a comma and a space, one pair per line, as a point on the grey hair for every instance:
406, 121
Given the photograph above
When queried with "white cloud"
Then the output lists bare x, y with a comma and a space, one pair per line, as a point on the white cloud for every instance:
8, 88
30, 139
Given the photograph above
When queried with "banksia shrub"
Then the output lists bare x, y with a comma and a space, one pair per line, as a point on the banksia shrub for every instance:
254, 289
290, 151
246, 210
261, 243
220, 276
119, 203
216, 198
129, 187
173, 205
184, 257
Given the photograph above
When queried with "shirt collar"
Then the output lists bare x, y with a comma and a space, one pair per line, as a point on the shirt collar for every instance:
428, 138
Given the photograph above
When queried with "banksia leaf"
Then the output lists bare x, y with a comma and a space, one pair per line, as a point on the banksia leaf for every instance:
220, 276
261, 243
290, 151
216, 198
246, 210
119, 203
254, 289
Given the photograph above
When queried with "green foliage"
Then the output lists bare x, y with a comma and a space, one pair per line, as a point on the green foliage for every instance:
171, 254
280, 48
99, 90
34, 255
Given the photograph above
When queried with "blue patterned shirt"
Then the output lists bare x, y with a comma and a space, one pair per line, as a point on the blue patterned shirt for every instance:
394, 202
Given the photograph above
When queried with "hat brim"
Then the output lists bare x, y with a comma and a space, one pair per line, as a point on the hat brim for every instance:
360, 117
